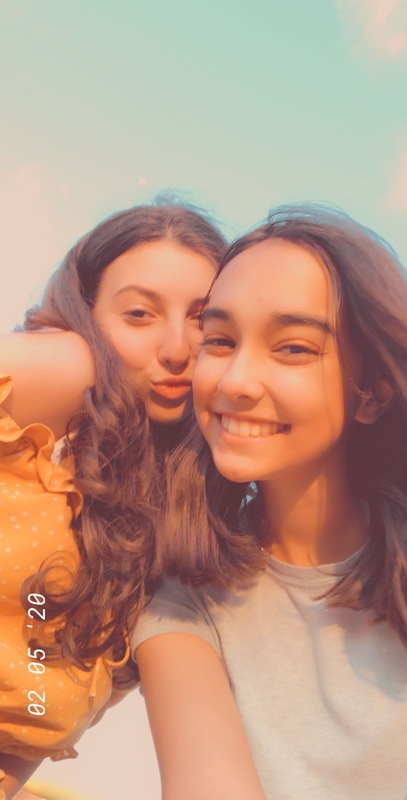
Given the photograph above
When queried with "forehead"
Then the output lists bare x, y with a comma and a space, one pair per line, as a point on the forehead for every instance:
275, 275
158, 265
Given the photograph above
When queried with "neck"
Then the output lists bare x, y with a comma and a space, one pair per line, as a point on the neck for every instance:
313, 521
167, 437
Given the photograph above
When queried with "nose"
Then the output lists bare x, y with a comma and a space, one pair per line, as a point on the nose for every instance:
175, 347
241, 379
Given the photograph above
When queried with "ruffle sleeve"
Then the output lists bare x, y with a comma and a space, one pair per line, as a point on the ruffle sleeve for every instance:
45, 705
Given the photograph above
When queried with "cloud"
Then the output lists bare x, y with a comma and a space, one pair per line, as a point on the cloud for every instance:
30, 243
379, 25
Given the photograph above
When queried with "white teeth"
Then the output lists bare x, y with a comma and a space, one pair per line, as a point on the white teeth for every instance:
232, 426
243, 428
246, 429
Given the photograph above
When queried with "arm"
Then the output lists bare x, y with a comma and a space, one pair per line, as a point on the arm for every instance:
50, 370
17, 771
201, 746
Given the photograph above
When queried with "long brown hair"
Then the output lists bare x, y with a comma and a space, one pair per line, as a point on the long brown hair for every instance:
205, 540
117, 461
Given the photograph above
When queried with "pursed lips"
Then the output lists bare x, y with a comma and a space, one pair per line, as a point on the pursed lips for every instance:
172, 389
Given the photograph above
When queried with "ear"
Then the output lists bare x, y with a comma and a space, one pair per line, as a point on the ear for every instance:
375, 401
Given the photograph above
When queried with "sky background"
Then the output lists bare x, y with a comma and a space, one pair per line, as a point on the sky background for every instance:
237, 105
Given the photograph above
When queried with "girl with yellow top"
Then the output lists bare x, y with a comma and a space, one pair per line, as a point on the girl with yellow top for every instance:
103, 367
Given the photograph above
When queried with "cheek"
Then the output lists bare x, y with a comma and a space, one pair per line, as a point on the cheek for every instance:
329, 402
194, 341
136, 350
129, 348
198, 393
204, 383
297, 393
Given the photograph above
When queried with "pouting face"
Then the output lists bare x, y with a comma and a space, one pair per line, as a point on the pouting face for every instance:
148, 306
271, 394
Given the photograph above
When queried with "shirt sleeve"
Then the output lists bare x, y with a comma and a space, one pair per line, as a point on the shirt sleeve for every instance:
176, 608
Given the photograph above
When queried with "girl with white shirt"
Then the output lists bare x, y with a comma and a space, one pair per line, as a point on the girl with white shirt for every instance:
285, 601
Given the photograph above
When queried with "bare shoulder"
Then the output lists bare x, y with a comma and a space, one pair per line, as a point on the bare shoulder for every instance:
50, 370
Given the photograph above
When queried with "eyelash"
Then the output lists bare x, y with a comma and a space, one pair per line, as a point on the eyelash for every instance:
143, 315
302, 349
218, 341
297, 351
137, 315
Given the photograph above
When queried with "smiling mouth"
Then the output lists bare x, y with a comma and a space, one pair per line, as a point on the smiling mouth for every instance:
247, 429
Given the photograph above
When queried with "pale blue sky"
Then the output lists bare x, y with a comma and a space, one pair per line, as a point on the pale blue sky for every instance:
240, 105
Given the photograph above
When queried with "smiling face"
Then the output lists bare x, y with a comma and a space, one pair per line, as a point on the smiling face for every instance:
271, 396
148, 305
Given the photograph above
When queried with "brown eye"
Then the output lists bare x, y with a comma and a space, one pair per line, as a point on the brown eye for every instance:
138, 314
217, 342
296, 349
298, 352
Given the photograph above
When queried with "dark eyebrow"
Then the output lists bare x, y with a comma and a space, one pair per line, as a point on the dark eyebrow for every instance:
285, 320
155, 297
282, 320
215, 313
140, 289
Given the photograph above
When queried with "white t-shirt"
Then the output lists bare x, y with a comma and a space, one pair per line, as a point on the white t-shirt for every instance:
322, 692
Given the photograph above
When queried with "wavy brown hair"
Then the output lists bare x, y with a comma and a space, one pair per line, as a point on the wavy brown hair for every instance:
117, 455
204, 536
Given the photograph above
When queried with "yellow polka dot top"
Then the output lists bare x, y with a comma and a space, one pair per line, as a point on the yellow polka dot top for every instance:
45, 705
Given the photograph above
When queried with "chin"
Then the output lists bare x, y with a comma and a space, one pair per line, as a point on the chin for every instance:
233, 471
162, 417
168, 416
